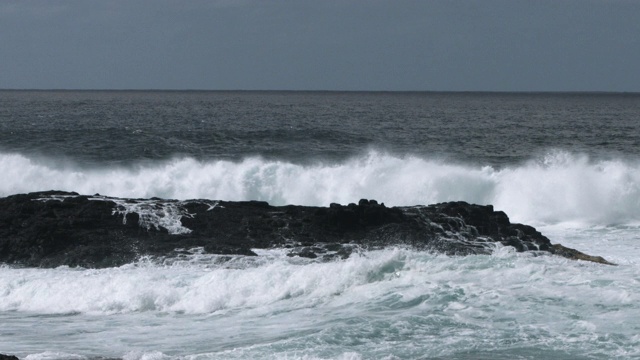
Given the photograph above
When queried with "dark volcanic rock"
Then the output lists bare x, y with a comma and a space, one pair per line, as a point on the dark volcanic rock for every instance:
49, 229
8, 357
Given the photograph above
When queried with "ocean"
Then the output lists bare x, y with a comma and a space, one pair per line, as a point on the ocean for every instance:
566, 163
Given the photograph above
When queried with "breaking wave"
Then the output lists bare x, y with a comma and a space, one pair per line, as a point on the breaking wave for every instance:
559, 187
415, 296
205, 284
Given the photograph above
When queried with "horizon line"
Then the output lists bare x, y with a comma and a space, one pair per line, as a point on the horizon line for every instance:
331, 91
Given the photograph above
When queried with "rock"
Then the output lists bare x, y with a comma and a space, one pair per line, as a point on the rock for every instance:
49, 229
8, 357
577, 255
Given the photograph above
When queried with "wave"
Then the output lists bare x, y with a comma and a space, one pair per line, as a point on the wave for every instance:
273, 283
274, 306
202, 284
559, 187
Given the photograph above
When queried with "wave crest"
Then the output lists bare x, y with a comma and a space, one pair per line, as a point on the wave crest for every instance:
558, 187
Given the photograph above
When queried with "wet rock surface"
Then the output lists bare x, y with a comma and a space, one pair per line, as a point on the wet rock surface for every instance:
49, 229
7, 357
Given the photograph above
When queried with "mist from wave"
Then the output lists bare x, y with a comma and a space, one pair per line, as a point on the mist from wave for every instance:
559, 187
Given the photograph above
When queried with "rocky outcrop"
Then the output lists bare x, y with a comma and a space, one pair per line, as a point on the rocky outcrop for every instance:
48, 229
7, 357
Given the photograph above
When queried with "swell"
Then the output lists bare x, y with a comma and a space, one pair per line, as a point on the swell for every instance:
559, 187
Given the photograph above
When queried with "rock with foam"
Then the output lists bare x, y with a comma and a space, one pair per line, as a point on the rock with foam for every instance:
49, 229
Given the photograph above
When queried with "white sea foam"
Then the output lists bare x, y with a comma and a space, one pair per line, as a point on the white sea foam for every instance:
152, 213
374, 304
560, 187
186, 287
281, 283
51, 355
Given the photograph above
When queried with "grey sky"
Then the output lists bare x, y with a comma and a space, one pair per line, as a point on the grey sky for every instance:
494, 45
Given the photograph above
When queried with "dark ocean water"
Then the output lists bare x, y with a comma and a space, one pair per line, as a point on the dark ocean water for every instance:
97, 128
567, 163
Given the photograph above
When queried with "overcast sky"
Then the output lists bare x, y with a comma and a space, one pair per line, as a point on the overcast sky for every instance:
490, 45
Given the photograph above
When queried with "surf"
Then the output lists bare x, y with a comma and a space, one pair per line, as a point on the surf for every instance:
556, 187
306, 306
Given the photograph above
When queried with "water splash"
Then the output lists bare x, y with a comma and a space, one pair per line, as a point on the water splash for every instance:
557, 187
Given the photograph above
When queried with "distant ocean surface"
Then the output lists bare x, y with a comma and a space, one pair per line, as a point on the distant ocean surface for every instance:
566, 163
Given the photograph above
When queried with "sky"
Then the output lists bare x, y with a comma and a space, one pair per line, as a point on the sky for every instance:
394, 45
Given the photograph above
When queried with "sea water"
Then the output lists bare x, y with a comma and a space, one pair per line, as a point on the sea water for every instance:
568, 164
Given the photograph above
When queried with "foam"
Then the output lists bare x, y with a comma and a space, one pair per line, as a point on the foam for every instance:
153, 213
185, 287
301, 309
558, 187
52, 355
279, 283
